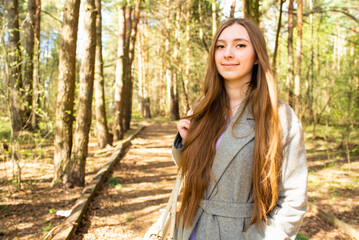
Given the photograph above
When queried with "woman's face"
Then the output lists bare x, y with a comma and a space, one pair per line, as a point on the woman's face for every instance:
234, 54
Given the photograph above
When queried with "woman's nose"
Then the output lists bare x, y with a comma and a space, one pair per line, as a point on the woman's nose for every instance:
228, 53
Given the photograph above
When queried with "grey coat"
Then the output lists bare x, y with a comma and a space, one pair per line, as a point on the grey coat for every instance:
228, 211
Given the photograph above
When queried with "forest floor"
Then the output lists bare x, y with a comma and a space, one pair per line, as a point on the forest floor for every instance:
129, 202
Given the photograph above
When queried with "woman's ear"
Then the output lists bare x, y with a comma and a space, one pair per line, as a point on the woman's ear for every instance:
256, 62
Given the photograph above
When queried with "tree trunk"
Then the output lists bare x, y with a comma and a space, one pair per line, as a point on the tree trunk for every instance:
201, 33
103, 136
311, 75
279, 25
117, 128
126, 68
143, 55
36, 75
233, 7
251, 10
28, 63
188, 63
298, 58
75, 174
290, 77
128, 94
66, 89
15, 79
174, 89
214, 17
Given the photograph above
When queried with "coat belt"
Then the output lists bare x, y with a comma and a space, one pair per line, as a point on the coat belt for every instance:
225, 209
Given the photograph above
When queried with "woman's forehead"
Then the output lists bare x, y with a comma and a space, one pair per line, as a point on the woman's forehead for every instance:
234, 32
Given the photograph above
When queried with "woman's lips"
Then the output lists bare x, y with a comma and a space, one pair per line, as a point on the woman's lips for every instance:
229, 65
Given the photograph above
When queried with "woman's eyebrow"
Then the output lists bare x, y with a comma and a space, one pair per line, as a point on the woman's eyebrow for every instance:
234, 40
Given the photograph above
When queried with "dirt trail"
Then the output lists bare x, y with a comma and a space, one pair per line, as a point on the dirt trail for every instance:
145, 177
147, 174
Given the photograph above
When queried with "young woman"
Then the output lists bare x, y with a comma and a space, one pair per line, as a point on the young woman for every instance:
241, 150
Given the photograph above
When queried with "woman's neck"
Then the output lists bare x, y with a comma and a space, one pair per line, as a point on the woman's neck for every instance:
236, 92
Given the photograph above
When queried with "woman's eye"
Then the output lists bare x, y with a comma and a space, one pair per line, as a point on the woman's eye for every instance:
241, 45
219, 46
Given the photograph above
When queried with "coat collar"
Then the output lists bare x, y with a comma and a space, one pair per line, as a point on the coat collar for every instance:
231, 143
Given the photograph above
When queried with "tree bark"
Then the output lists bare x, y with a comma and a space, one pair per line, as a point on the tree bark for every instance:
28, 63
117, 128
298, 57
65, 89
103, 136
279, 25
174, 89
143, 56
132, 43
214, 17
75, 174
15, 80
188, 62
36, 75
126, 68
201, 33
251, 10
290, 77
233, 7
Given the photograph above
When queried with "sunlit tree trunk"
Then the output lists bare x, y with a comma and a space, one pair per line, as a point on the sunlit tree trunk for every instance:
103, 136
276, 46
214, 17
175, 79
36, 76
65, 90
117, 128
126, 81
167, 65
251, 10
297, 104
290, 77
233, 7
75, 174
311, 72
14, 58
201, 33
28, 63
143, 55
128, 93
188, 63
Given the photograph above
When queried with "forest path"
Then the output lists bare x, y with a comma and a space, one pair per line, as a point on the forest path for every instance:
128, 204
146, 174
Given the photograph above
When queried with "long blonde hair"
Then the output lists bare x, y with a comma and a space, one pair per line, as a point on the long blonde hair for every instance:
210, 113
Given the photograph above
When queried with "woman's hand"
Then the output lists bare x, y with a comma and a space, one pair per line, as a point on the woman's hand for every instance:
182, 127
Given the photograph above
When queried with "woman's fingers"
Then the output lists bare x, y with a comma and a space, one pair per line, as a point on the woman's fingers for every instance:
183, 126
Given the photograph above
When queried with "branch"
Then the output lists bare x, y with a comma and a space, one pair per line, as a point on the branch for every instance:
320, 10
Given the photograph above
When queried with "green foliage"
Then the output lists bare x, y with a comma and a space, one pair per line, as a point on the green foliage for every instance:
47, 227
119, 186
301, 236
3, 207
52, 210
113, 182
127, 216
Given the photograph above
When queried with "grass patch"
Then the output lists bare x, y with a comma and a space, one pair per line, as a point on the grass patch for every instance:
5, 130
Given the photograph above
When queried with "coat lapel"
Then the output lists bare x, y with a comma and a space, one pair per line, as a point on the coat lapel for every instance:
230, 144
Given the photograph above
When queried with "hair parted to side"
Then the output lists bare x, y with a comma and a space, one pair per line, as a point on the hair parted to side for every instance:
208, 121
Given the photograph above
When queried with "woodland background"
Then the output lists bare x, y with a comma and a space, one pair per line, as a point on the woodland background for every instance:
70, 70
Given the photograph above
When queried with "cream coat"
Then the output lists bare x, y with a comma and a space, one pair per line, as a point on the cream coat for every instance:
230, 209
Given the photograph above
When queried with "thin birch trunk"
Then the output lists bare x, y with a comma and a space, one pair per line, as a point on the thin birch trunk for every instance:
233, 7
298, 58
188, 62
290, 77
